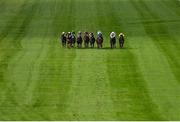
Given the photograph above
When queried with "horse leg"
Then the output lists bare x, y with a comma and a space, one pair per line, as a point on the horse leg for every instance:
121, 44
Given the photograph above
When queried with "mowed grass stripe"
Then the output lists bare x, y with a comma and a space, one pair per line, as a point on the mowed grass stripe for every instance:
7, 22
55, 72
14, 24
127, 92
16, 84
36, 86
174, 5
167, 39
7, 17
162, 83
89, 98
9, 48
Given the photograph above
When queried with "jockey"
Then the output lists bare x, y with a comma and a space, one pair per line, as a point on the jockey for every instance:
99, 33
92, 39
99, 39
113, 39
69, 39
79, 34
73, 38
63, 39
73, 33
63, 33
121, 40
91, 35
121, 34
79, 39
113, 35
86, 39
69, 33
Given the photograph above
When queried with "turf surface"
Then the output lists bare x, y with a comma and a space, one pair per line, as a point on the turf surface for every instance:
40, 80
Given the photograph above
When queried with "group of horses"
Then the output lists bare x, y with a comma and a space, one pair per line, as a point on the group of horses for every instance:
69, 39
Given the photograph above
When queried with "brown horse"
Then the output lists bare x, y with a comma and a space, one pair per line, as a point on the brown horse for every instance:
113, 42
121, 40
69, 40
63, 39
99, 42
92, 40
86, 40
73, 38
79, 41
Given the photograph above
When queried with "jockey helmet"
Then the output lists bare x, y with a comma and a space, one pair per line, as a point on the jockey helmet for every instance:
121, 34
113, 35
63, 33
73, 32
99, 33
86, 33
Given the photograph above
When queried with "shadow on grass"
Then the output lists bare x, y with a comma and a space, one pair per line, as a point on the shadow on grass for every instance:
104, 48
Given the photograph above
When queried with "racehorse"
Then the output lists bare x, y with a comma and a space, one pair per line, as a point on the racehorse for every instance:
69, 40
99, 41
113, 42
92, 40
121, 40
86, 40
63, 39
79, 40
73, 38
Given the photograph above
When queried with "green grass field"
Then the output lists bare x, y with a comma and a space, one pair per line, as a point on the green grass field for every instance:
40, 80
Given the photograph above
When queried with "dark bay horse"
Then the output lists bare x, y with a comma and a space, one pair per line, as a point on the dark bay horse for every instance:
92, 40
86, 40
73, 38
99, 42
63, 39
113, 42
121, 40
79, 41
69, 40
